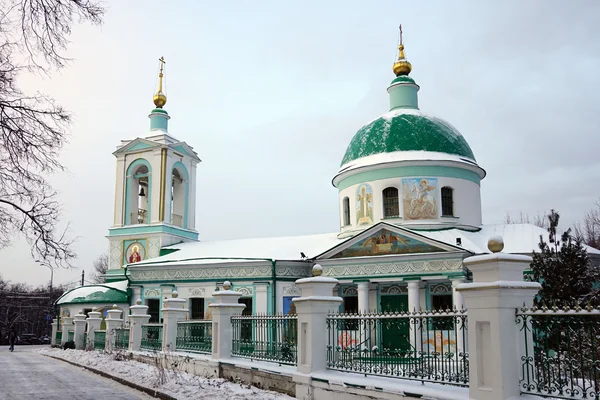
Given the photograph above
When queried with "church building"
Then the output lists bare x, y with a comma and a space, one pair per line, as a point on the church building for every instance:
409, 207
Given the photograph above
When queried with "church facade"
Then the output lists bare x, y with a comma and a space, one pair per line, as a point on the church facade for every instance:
409, 207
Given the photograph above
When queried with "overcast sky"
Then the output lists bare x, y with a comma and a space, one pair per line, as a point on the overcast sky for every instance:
269, 93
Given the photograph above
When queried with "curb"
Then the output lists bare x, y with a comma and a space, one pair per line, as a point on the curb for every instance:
148, 391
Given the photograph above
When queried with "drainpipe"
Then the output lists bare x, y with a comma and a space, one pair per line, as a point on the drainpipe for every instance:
274, 291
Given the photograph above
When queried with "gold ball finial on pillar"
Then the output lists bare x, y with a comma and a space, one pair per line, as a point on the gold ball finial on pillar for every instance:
226, 285
496, 244
317, 270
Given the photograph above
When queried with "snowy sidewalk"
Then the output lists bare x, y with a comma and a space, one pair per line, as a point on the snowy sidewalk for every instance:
178, 384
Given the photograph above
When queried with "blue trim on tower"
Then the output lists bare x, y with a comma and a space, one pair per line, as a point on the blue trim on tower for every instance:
144, 229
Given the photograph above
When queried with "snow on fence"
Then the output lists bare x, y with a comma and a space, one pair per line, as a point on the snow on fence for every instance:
427, 346
266, 337
195, 336
561, 352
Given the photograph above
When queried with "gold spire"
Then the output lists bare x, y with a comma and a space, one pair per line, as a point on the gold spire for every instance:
159, 98
401, 66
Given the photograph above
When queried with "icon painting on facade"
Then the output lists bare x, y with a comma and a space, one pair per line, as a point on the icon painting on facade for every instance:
386, 242
420, 198
135, 252
364, 205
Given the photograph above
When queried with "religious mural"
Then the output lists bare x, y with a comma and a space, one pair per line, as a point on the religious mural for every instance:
364, 205
135, 253
420, 198
289, 308
386, 242
440, 341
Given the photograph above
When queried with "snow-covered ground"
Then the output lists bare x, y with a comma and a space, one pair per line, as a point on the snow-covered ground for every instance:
178, 384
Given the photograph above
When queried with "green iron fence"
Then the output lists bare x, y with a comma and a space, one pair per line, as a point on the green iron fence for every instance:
560, 354
266, 337
99, 340
151, 337
71, 336
122, 338
194, 336
58, 337
425, 346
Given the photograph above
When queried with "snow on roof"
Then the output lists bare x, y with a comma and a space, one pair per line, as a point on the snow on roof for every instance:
411, 155
220, 251
88, 291
518, 238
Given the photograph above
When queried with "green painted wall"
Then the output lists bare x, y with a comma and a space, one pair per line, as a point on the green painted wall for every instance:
404, 95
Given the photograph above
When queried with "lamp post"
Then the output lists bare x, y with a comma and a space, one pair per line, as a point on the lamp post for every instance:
51, 271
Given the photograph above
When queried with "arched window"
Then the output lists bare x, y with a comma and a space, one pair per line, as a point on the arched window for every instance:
179, 195
390, 203
138, 192
447, 202
346, 207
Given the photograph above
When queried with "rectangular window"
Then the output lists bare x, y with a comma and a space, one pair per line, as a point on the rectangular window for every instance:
197, 308
390, 203
447, 202
442, 302
153, 309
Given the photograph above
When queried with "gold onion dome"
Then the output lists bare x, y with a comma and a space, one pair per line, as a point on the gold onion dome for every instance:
160, 99
401, 66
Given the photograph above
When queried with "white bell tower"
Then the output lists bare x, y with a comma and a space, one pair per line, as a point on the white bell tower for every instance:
155, 192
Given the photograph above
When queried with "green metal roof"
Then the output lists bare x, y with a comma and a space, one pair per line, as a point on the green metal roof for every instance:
403, 79
407, 130
94, 294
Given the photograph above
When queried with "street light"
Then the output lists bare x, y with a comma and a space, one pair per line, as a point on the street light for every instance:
51, 271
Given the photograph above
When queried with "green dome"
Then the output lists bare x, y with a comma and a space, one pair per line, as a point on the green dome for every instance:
407, 130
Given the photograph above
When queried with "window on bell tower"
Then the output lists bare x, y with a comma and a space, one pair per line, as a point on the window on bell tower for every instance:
139, 187
179, 193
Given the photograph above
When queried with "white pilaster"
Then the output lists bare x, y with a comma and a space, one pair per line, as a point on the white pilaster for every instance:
457, 297
363, 297
261, 298
94, 320
222, 331
174, 310
67, 325
79, 330
113, 321
139, 316
54, 332
414, 296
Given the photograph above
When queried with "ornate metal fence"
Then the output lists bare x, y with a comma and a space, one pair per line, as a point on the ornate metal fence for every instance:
266, 337
58, 337
99, 340
560, 354
427, 346
151, 337
122, 338
194, 336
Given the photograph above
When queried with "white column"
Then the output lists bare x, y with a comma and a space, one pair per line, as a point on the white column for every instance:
495, 343
457, 297
136, 294
79, 330
222, 330
414, 305
139, 315
54, 332
94, 320
113, 321
312, 308
67, 325
174, 310
363, 297
414, 296
261, 298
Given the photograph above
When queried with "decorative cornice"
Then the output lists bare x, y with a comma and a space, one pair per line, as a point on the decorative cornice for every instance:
394, 289
245, 291
196, 292
440, 288
392, 269
292, 290
152, 293
349, 291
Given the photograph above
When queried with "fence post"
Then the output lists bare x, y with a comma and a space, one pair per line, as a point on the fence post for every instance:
138, 317
79, 322
173, 311
94, 320
54, 332
226, 306
312, 308
67, 324
113, 321
497, 291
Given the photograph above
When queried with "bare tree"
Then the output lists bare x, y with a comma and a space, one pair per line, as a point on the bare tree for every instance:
588, 231
33, 127
100, 268
540, 220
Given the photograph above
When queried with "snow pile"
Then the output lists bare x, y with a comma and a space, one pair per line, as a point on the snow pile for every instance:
178, 384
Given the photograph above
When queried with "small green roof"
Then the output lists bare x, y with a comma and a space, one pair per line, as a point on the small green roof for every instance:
109, 293
407, 130
403, 79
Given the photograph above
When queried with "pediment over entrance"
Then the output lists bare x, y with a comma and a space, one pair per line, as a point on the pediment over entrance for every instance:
384, 239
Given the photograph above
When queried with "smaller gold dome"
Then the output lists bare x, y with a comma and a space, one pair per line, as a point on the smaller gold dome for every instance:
402, 66
160, 100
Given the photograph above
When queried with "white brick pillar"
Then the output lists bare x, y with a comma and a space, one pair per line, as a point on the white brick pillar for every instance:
54, 332
226, 304
174, 310
113, 321
312, 308
79, 330
67, 325
94, 320
497, 291
139, 316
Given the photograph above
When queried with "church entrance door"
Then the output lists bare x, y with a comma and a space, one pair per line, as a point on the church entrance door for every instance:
395, 332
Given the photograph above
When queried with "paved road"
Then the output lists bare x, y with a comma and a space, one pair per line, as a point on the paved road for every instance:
25, 375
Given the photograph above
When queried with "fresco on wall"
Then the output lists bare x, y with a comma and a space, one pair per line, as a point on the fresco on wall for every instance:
135, 252
364, 205
289, 308
420, 198
207, 308
386, 242
440, 341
